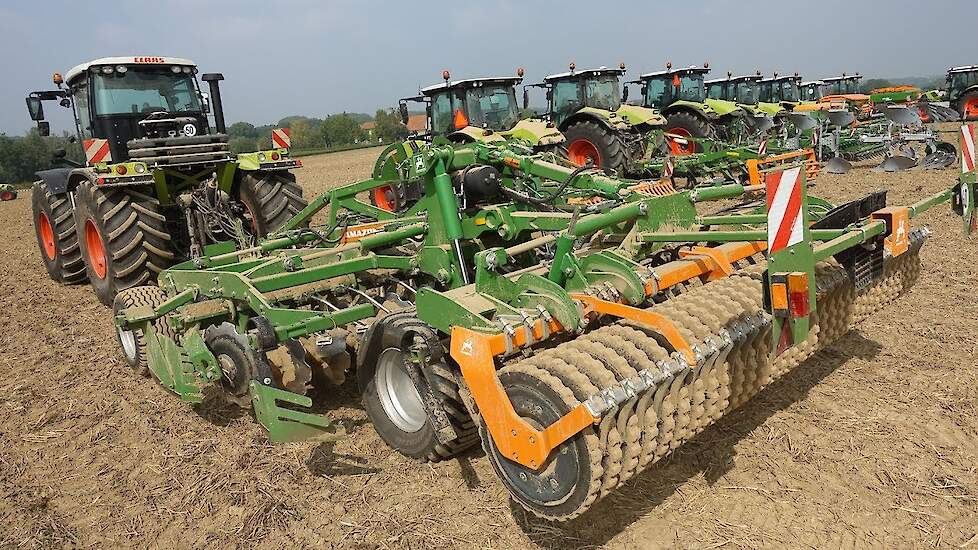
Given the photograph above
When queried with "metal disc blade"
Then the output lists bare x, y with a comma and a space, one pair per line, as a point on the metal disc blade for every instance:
897, 163
838, 165
841, 118
939, 160
760, 123
901, 114
802, 121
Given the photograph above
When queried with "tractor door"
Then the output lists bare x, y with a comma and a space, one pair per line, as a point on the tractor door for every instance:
566, 99
657, 94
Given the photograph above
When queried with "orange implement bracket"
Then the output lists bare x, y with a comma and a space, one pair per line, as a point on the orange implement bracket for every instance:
722, 266
513, 437
754, 165
651, 319
897, 218
673, 273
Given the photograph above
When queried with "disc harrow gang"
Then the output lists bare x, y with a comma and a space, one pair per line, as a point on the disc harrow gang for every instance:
727, 323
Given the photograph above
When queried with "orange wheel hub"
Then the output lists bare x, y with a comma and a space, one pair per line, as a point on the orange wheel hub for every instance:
676, 148
385, 198
47, 236
96, 249
971, 108
582, 152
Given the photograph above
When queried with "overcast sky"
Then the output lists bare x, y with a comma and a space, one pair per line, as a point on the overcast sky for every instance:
317, 57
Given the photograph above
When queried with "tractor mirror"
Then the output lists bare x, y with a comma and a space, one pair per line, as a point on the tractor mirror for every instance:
59, 153
526, 99
205, 103
403, 109
44, 128
35, 108
624, 95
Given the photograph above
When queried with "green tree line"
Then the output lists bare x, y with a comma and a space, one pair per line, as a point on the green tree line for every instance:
333, 131
22, 156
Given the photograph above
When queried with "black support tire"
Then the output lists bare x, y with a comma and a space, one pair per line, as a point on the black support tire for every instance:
393, 401
686, 125
589, 142
271, 199
133, 342
123, 238
54, 227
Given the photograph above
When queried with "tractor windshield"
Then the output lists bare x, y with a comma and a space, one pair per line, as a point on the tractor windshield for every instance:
492, 106
144, 90
662, 90
717, 90
689, 87
959, 82
603, 92
789, 91
746, 92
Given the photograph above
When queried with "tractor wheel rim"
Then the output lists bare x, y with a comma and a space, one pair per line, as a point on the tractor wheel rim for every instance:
385, 198
678, 148
96, 249
47, 236
971, 107
398, 394
250, 219
6, 196
582, 152
127, 339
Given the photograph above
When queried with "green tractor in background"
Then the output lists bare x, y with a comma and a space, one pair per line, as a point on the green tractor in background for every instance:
745, 92
601, 130
480, 110
962, 91
680, 95
157, 185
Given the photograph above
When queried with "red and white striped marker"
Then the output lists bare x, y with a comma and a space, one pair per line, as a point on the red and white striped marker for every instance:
668, 168
762, 148
784, 219
97, 150
281, 138
968, 158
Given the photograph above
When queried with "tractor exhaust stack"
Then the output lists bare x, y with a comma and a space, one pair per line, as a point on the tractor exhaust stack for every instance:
212, 80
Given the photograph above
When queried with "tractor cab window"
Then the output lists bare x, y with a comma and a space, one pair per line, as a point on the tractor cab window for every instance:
657, 93
441, 114
566, 98
603, 92
852, 86
789, 91
962, 81
79, 96
144, 90
811, 92
717, 91
492, 106
746, 92
689, 87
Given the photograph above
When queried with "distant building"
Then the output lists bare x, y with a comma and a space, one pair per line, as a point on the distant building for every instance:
417, 122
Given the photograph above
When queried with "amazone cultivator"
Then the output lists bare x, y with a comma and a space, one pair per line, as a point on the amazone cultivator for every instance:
580, 326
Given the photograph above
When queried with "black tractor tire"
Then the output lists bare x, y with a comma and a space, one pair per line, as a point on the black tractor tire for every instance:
271, 198
123, 238
688, 124
133, 342
419, 441
586, 139
57, 241
968, 106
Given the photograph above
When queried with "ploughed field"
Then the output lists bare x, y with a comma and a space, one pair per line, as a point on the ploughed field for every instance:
870, 442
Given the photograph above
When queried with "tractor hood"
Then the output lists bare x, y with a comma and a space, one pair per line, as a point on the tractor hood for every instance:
770, 109
722, 107
635, 115
534, 131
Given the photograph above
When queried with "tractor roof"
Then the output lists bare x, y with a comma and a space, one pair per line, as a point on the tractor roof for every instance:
810, 82
782, 78
963, 69
472, 83
78, 70
856, 76
692, 69
737, 79
585, 73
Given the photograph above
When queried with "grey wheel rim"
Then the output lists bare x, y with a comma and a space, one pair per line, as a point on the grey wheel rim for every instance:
127, 339
398, 395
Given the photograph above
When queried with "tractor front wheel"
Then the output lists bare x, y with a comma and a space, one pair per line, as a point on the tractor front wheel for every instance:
589, 143
969, 106
270, 199
686, 125
8, 195
54, 228
123, 238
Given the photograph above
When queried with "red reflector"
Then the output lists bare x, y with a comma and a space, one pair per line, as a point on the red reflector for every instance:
798, 303
100, 181
298, 163
274, 156
121, 170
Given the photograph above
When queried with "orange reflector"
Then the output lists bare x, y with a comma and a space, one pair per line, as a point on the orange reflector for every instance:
121, 170
461, 121
779, 296
675, 81
798, 294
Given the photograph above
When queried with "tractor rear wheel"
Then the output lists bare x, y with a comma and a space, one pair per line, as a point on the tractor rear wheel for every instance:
8, 195
393, 401
122, 236
270, 199
590, 143
686, 125
968, 106
133, 342
54, 227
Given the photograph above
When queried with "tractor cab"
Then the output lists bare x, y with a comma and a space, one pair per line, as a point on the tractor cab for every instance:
812, 90
479, 109
595, 89
784, 90
842, 85
119, 99
743, 90
662, 89
962, 90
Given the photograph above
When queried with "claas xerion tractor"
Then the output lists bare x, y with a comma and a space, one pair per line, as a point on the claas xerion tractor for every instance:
159, 182
579, 325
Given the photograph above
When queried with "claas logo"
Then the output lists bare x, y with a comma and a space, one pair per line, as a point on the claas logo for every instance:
149, 60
